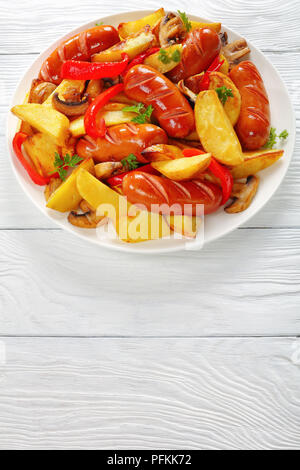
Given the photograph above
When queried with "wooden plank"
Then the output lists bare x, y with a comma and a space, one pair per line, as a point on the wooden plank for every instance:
150, 394
246, 284
42, 22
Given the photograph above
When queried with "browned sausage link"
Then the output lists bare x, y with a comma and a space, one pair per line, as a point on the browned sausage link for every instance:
79, 47
171, 109
253, 127
120, 141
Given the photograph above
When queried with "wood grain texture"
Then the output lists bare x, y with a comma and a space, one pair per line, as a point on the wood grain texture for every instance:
246, 284
41, 21
145, 394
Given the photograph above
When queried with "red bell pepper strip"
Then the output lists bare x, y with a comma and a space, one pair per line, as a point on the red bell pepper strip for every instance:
18, 141
79, 70
139, 59
92, 127
192, 152
225, 177
117, 180
215, 66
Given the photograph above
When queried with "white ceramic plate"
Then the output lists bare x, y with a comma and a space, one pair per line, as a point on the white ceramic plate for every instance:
216, 225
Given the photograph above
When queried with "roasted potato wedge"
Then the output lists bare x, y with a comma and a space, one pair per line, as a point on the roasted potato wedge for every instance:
185, 225
67, 198
155, 62
225, 67
215, 26
133, 45
161, 152
132, 27
45, 119
183, 168
255, 162
41, 148
233, 104
215, 129
67, 89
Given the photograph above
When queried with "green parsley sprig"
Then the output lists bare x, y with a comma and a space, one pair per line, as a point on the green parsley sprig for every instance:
63, 163
99, 24
130, 162
143, 115
185, 20
224, 93
166, 56
274, 136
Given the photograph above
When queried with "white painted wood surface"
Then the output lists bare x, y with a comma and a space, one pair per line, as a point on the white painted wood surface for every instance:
169, 364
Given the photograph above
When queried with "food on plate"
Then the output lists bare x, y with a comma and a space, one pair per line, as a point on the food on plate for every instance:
150, 126
79, 47
215, 129
200, 48
171, 109
253, 127
132, 27
183, 169
45, 120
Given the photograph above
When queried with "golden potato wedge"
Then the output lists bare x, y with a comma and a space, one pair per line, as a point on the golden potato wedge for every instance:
131, 224
233, 104
122, 98
132, 27
66, 89
41, 148
67, 198
215, 130
133, 45
45, 119
185, 225
161, 152
163, 67
255, 162
183, 168
215, 26
112, 114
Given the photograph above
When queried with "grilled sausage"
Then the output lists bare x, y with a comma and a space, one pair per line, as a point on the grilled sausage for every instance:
120, 141
79, 47
171, 109
149, 190
200, 48
253, 126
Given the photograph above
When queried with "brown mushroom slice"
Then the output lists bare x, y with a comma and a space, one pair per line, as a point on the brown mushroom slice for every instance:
235, 51
94, 88
40, 91
70, 108
87, 219
51, 187
171, 30
186, 91
243, 196
107, 169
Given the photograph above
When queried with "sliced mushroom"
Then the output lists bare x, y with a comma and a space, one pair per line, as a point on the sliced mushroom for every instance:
243, 195
107, 169
235, 51
224, 38
87, 219
94, 88
171, 30
70, 108
51, 187
186, 91
40, 91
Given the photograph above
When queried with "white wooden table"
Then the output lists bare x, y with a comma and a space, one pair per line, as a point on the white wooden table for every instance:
107, 350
